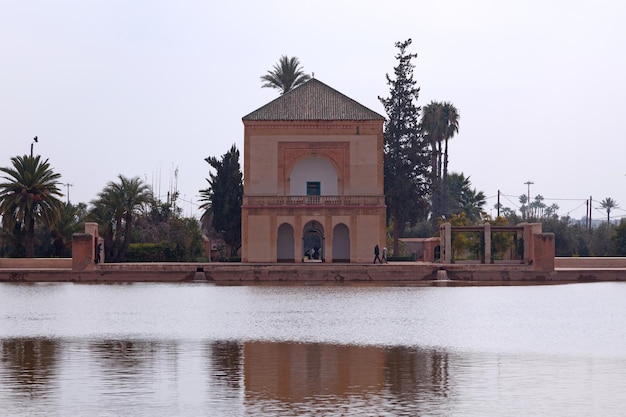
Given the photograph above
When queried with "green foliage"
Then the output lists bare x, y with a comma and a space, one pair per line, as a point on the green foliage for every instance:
115, 210
12, 243
462, 198
162, 223
406, 160
223, 199
154, 252
29, 196
599, 240
56, 241
567, 237
504, 245
465, 245
286, 75
619, 239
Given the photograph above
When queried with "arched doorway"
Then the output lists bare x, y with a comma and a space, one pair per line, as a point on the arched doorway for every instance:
313, 242
341, 243
285, 244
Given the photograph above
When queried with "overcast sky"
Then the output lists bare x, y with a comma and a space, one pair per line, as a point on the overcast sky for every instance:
148, 88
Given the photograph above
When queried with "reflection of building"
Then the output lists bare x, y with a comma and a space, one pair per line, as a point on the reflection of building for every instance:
313, 179
296, 371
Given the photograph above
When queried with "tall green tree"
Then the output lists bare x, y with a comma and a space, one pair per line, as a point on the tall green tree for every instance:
523, 200
608, 204
29, 196
619, 239
115, 210
405, 151
286, 75
223, 198
440, 122
463, 198
71, 220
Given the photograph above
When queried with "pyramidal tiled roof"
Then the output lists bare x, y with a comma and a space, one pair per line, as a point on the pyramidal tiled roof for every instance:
313, 100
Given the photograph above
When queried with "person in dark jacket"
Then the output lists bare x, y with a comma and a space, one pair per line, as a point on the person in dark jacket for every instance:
377, 254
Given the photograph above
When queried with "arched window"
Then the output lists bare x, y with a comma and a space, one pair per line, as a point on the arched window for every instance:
313, 176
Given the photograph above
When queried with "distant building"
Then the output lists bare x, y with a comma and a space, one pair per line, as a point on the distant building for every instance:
313, 179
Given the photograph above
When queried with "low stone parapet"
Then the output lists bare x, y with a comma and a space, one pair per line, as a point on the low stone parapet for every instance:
35, 263
590, 262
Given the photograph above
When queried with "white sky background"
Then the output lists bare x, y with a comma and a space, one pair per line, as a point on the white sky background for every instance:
140, 88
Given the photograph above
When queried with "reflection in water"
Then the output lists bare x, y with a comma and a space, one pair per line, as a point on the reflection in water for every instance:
130, 368
137, 377
293, 372
279, 378
31, 366
94, 350
298, 378
415, 372
227, 363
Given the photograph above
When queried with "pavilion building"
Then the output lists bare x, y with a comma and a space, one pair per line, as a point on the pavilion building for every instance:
313, 179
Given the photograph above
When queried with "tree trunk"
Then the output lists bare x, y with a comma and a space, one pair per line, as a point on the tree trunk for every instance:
444, 188
29, 241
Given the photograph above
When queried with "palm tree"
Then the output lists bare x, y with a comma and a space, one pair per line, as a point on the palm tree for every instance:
551, 212
115, 210
523, 199
286, 75
440, 122
430, 130
538, 206
71, 220
464, 198
450, 122
608, 204
29, 197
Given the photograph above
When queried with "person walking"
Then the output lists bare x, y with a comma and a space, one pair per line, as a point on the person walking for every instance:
377, 254
384, 254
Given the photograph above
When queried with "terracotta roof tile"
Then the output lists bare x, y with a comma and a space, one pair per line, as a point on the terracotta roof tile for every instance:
313, 100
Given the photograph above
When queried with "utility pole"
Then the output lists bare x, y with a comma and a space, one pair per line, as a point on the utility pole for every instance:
528, 183
498, 203
590, 208
68, 185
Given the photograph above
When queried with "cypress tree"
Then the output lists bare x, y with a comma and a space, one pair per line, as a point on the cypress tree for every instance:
224, 197
406, 154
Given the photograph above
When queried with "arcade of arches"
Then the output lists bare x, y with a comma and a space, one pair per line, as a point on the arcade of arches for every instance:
313, 245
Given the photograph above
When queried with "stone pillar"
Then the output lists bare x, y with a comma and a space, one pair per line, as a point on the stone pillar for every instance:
244, 234
298, 238
429, 249
487, 234
87, 248
91, 229
83, 250
328, 239
544, 248
445, 235
98, 252
354, 239
530, 229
